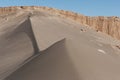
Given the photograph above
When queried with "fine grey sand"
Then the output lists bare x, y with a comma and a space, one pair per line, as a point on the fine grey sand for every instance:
43, 46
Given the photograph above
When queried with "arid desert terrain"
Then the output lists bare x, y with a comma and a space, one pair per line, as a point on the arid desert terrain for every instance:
40, 43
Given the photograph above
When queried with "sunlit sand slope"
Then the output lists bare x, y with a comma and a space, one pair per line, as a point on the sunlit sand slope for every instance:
43, 46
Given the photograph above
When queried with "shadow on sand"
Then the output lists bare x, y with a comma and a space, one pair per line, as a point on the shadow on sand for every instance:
26, 27
53, 64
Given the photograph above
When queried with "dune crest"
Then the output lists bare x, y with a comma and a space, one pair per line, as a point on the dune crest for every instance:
108, 25
42, 43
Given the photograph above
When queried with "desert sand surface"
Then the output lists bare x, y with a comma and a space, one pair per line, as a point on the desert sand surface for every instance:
38, 45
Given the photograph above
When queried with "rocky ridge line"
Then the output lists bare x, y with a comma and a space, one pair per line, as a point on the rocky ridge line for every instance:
108, 25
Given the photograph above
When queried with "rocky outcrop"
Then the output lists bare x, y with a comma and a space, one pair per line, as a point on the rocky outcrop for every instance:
7, 10
108, 25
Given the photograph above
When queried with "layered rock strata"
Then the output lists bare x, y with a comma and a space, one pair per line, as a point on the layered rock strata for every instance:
108, 25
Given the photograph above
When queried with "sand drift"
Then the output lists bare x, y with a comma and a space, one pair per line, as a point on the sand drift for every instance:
43, 46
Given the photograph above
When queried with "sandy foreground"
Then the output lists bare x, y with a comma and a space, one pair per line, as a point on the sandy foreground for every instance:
43, 46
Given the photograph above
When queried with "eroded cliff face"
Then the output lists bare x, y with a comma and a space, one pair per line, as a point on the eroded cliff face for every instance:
108, 25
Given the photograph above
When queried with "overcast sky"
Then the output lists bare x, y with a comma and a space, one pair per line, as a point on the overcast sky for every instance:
86, 7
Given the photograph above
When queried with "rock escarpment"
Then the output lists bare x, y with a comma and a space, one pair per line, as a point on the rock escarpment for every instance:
108, 25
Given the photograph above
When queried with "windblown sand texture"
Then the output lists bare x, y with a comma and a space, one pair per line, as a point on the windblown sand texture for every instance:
40, 43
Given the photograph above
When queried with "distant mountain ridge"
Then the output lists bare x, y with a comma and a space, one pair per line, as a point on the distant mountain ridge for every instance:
108, 25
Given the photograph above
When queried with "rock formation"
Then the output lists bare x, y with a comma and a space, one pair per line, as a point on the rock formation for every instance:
108, 25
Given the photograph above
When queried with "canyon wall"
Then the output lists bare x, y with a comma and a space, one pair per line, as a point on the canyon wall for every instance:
108, 25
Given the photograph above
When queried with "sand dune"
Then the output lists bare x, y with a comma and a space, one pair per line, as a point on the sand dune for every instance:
50, 65
37, 45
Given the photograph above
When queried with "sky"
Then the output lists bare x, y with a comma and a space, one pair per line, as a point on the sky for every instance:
86, 7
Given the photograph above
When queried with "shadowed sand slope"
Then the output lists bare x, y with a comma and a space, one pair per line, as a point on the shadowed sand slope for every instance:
17, 44
27, 28
68, 60
53, 64
46, 47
